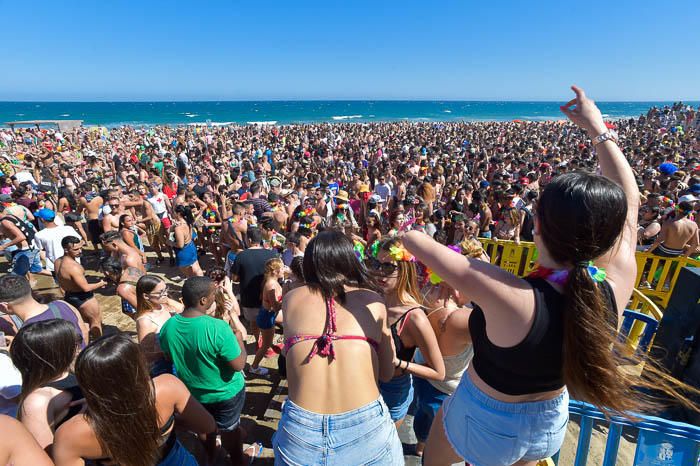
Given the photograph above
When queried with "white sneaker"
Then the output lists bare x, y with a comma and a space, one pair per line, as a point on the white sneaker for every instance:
259, 371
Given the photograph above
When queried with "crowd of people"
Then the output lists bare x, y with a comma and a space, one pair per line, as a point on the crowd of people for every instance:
351, 253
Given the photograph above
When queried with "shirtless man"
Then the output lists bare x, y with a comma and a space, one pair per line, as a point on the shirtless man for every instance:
233, 231
151, 222
90, 203
678, 236
110, 221
128, 256
78, 292
126, 280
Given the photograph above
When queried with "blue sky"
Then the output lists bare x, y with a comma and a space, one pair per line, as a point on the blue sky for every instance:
248, 50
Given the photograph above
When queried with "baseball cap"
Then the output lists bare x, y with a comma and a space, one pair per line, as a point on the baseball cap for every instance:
5, 198
45, 214
484, 184
688, 198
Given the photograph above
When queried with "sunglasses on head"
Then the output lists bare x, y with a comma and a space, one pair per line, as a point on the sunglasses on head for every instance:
381, 268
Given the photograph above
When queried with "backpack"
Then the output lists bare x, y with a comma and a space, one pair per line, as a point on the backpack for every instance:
27, 228
528, 225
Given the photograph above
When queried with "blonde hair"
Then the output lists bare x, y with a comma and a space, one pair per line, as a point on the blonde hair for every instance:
471, 247
272, 267
407, 279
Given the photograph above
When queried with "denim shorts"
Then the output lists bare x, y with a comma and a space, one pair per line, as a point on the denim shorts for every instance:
26, 260
365, 435
227, 413
398, 395
428, 402
178, 456
265, 319
488, 432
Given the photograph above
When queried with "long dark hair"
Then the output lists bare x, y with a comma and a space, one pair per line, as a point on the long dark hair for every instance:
330, 263
186, 213
121, 405
581, 217
42, 351
145, 285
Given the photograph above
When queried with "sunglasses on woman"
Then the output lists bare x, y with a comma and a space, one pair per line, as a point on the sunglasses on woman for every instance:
381, 268
159, 294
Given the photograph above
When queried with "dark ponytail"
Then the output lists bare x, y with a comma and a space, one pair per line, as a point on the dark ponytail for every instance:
186, 213
580, 219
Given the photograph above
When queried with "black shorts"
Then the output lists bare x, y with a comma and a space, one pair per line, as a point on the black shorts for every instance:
227, 413
78, 298
95, 230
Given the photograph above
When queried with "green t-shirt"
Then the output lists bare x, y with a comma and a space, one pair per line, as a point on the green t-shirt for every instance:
158, 166
201, 348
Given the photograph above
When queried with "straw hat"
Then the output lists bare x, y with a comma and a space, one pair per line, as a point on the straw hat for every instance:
342, 196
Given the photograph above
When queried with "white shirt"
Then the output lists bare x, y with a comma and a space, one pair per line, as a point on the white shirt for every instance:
383, 190
49, 239
10, 385
158, 203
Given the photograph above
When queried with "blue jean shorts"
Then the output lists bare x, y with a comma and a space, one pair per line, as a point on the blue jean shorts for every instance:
488, 432
265, 319
398, 395
428, 402
227, 413
178, 456
26, 260
365, 435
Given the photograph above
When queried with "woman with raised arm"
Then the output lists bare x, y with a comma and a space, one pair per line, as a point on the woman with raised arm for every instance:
539, 338
338, 347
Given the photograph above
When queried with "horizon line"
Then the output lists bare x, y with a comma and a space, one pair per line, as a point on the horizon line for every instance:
331, 100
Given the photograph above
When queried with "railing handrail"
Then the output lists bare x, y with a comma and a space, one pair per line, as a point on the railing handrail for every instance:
646, 422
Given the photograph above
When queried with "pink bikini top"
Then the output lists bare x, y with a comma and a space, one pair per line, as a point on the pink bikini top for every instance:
323, 344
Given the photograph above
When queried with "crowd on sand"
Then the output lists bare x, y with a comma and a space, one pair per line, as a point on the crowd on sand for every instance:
353, 254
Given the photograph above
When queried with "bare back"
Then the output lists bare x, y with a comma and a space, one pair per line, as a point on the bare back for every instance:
349, 381
679, 233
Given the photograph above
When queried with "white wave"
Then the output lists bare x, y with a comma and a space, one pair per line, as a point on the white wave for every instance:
346, 117
272, 122
191, 115
222, 123
65, 114
447, 111
20, 114
605, 115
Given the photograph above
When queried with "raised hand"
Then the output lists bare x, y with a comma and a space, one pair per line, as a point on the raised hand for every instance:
584, 113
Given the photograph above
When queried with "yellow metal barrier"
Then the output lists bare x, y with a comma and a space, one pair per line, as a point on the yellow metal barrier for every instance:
656, 276
645, 305
518, 259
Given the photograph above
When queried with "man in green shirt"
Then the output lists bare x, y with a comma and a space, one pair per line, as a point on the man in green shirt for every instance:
209, 358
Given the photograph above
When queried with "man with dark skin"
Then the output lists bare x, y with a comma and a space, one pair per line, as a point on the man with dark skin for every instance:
78, 292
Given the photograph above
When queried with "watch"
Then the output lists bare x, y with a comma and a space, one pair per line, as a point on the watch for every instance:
610, 135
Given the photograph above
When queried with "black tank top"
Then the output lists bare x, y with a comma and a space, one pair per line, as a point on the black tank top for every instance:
535, 364
402, 352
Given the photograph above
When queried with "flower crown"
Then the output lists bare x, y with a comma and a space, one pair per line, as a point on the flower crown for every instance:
308, 212
399, 253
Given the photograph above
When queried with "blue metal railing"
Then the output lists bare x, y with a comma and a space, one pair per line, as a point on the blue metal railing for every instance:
660, 442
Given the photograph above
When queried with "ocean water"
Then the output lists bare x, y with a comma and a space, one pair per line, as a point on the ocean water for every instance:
287, 112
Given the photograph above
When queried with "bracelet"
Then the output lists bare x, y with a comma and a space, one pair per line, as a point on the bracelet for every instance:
403, 371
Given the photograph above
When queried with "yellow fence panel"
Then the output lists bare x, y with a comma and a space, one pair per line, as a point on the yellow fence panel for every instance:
656, 276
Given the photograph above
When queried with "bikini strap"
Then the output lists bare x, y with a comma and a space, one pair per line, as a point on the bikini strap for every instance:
324, 343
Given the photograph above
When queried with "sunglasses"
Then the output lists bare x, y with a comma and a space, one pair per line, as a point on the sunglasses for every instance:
380, 268
162, 294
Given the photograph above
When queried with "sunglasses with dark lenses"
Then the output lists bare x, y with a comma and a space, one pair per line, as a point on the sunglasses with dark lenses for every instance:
381, 268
